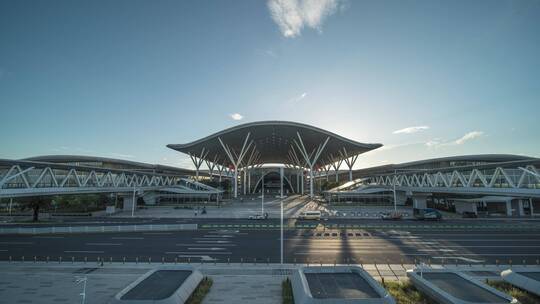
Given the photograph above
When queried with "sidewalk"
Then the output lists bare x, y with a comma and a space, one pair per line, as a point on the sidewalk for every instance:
54, 283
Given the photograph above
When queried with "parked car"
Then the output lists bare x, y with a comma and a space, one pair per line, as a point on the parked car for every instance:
427, 214
392, 215
469, 214
258, 216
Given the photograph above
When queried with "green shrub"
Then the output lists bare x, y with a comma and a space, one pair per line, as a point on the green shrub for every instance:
406, 293
200, 292
524, 297
286, 292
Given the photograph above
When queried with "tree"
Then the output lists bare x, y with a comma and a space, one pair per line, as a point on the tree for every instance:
36, 203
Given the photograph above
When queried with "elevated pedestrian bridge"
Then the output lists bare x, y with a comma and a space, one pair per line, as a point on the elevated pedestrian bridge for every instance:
514, 178
20, 178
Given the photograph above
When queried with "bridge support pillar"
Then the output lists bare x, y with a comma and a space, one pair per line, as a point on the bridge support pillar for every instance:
128, 203
401, 198
420, 200
302, 181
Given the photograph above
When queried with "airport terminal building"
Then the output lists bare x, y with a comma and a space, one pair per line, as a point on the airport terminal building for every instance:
288, 158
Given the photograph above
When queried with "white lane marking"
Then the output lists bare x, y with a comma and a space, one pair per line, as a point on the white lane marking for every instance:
490, 246
479, 234
412, 241
103, 244
434, 250
460, 258
127, 238
197, 253
48, 237
225, 245
480, 254
16, 243
405, 237
214, 242
205, 248
202, 257
374, 243
500, 254
333, 251
368, 248
215, 236
83, 251
488, 240
157, 233
325, 240
3, 250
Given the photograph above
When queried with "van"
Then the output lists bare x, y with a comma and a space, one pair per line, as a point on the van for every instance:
310, 215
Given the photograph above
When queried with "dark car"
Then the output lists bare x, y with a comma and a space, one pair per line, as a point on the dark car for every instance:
469, 214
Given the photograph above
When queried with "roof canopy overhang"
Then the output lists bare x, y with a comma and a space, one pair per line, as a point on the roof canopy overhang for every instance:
282, 142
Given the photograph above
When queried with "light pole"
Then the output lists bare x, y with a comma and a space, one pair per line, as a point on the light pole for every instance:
262, 191
281, 230
395, 199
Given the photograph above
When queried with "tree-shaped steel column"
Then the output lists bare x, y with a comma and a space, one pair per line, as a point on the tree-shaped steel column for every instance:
310, 158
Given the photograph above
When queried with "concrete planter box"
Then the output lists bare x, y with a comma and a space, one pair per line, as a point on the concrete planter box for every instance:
527, 279
163, 285
452, 287
342, 284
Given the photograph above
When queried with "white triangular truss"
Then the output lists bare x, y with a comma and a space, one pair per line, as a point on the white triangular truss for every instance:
498, 177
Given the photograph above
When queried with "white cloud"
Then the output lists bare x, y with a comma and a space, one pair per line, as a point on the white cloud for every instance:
292, 15
410, 130
237, 116
468, 136
433, 143
299, 97
437, 142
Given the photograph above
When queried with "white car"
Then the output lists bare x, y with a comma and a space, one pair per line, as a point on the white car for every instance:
257, 217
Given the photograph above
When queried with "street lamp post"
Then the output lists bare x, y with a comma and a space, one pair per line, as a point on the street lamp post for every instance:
281, 230
262, 196
395, 198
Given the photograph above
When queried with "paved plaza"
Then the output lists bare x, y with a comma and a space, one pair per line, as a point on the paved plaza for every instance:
54, 283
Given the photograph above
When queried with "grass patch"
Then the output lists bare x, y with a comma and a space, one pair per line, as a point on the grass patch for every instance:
524, 297
286, 292
200, 292
406, 293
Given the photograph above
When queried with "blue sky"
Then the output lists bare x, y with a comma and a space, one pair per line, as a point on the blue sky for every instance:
124, 78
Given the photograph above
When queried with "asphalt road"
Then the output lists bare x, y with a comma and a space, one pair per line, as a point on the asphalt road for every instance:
329, 246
